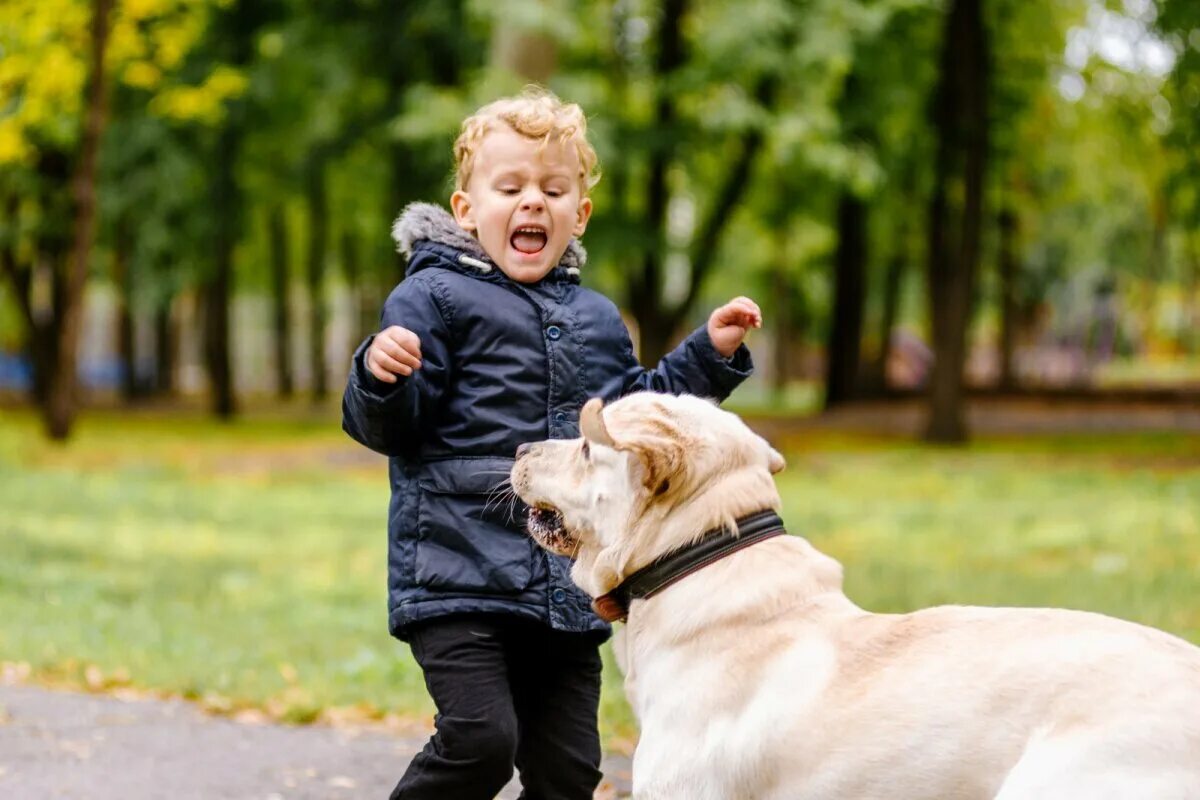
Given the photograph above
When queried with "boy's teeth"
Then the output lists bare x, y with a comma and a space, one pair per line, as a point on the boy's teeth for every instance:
529, 240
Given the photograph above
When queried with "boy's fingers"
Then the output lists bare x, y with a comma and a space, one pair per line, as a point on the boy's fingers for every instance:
399, 352
743, 315
403, 338
385, 362
748, 311
378, 372
748, 305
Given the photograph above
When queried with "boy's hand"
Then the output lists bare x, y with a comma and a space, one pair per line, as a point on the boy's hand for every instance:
727, 325
394, 351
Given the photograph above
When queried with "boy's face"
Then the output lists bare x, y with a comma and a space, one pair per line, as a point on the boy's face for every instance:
523, 202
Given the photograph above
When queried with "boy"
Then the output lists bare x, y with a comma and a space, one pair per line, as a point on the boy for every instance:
490, 342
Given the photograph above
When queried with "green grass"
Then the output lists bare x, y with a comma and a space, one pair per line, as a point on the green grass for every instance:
1110, 525
243, 565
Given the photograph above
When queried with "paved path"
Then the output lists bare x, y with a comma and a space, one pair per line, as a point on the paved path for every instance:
64, 745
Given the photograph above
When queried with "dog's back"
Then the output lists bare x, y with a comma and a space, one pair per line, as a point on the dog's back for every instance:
778, 692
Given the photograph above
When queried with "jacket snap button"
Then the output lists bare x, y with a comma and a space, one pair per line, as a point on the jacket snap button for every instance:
560, 418
559, 595
554, 331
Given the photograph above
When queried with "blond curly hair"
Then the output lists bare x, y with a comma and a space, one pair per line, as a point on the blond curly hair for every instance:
536, 113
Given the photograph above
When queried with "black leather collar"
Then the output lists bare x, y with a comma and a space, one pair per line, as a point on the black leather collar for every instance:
662, 572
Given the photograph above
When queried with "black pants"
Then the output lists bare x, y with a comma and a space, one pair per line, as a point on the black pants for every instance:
508, 692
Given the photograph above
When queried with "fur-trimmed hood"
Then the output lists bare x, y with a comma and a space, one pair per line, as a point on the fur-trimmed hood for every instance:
430, 222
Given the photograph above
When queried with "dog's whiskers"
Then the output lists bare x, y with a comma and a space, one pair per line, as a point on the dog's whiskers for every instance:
498, 493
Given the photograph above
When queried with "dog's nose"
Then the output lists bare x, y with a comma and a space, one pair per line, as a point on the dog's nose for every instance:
522, 449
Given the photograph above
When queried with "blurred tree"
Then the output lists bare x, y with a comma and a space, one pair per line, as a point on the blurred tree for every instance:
281, 309
54, 84
865, 108
61, 402
844, 342
960, 114
878, 175
154, 223
768, 146
230, 45
1179, 22
1028, 42
658, 318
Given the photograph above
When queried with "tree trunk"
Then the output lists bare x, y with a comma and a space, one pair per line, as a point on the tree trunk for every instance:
43, 358
41, 334
531, 55
1192, 341
164, 350
318, 233
279, 297
365, 308
235, 29
20, 277
1156, 267
850, 293
644, 290
956, 211
893, 279
61, 402
657, 322
1009, 310
782, 289
443, 54
123, 280
227, 201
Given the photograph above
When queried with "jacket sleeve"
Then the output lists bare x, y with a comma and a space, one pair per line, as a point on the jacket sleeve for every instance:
388, 417
694, 367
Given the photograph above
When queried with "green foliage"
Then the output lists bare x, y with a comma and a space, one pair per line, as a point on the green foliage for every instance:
1096, 153
44, 45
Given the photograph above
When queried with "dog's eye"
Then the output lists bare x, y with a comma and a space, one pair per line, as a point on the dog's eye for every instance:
587, 451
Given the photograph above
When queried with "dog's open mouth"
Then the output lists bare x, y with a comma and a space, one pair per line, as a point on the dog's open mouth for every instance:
545, 525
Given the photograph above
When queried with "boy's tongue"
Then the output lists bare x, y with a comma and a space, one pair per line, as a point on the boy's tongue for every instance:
528, 242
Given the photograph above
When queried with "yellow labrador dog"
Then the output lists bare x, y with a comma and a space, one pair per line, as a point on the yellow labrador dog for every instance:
753, 676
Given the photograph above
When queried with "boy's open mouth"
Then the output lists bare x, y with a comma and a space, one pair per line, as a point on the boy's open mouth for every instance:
529, 239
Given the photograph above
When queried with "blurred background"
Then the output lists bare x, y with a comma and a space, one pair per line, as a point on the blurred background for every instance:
967, 222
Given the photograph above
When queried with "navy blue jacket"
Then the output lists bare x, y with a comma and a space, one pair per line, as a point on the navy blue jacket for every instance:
503, 363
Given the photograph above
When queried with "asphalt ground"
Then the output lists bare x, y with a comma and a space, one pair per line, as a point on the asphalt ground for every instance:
57, 745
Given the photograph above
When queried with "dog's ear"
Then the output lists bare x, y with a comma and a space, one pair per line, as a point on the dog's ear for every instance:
658, 445
591, 423
661, 447
662, 460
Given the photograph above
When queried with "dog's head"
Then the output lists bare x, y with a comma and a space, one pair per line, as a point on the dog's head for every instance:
650, 473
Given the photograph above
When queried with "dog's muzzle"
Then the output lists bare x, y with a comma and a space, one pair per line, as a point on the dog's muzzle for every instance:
546, 526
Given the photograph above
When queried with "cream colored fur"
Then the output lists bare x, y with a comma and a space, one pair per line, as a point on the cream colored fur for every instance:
756, 678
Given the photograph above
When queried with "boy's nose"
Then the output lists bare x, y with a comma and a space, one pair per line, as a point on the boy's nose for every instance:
524, 448
532, 202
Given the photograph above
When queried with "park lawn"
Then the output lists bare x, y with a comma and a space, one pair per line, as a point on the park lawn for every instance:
242, 565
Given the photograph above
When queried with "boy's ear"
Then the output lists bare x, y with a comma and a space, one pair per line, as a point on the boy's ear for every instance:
582, 215
464, 211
